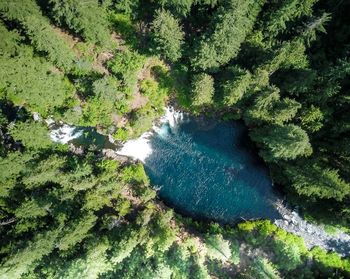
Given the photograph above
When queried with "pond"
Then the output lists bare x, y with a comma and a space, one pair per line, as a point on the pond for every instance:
206, 169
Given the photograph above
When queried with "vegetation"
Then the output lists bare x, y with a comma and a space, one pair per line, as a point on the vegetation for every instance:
281, 66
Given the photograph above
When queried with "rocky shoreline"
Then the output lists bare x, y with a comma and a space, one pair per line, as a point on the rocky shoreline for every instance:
291, 221
313, 234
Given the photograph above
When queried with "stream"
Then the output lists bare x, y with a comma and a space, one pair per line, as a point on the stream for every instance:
208, 170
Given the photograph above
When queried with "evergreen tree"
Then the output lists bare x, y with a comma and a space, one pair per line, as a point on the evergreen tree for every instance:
282, 142
88, 19
37, 28
235, 88
218, 248
230, 26
315, 180
269, 108
281, 13
202, 89
168, 35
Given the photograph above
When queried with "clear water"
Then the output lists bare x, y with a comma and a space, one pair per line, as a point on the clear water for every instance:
207, 170
204, 168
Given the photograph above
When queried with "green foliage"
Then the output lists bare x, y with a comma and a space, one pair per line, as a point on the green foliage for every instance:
181, 7
126, 65
327, 262
123, 248
22, 260
33, 135
231, 25
123, 23
121, 134
69, 216
92, 266
315, 180
262, 268
37, 28
268, 107
235, 254
134, 174
163, 25
107, 96
30, 81
280, 14
311, 119
88, 19
235, 88
282, 142
218, 248
202, 89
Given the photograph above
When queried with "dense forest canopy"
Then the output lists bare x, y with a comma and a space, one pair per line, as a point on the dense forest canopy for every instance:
281, 66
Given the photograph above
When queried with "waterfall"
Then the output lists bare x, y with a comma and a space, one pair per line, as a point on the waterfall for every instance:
65, 134
141, 148
138, 148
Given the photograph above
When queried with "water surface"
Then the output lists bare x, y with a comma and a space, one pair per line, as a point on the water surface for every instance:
208, 170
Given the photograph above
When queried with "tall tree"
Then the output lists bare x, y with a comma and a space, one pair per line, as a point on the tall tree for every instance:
168, 35
202, 89
282, 142
230, 26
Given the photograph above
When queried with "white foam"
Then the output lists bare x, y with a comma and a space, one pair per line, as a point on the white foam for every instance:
141, 148
65, 134
172, 117
138, 149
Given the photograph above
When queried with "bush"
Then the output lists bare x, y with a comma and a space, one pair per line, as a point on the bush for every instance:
125, 65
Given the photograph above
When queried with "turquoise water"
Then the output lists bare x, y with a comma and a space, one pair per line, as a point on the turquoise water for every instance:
208, 170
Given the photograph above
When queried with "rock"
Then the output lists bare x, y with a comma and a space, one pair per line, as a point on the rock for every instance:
76, 150
110, 138
287, 217
77, 109
49, 121
109, 153
36, 116
112, 129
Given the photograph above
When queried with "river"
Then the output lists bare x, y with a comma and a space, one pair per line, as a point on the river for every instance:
209, 170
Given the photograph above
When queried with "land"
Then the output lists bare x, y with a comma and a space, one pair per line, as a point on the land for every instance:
282, 67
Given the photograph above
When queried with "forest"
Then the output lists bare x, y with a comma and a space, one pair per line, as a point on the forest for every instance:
280, 66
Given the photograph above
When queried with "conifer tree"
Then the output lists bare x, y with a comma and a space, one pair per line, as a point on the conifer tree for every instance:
202, 89
230, 26
282, 142
168, 35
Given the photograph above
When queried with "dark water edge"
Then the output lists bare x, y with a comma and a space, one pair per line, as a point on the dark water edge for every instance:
210, 170
205, 168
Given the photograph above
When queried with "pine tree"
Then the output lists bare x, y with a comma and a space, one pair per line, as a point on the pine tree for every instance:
218, 248
168, 35
86, 18
235, 88
314, 179
231, 25
202, 89
269, 108
281, 13
282, 142
39, 31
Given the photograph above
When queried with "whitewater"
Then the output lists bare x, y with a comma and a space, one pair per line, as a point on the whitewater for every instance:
140, 148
